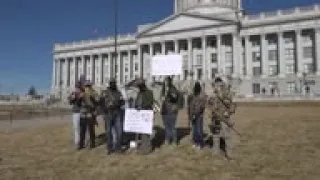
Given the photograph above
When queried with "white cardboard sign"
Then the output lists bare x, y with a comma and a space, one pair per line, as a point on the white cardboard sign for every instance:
138, 121
165, 65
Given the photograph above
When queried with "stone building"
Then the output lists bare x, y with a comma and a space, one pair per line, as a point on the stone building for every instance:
269, 52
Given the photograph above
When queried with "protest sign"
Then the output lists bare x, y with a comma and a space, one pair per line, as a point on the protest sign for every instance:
166, 65
138, 121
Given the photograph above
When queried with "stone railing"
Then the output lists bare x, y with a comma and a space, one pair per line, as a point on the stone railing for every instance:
96, 42
286, 12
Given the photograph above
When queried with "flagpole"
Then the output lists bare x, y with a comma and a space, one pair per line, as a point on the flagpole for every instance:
115, 35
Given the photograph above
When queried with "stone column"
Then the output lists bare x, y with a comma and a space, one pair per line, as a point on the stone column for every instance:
140, 61
176, 46
163, 48
204, 60
248, 55
119, 75
281, 57
65, 73
54, 78
59, 80
219, 56
129, 65
264, 56
317, 49
299, 54
190, 59
73, 74
236, 51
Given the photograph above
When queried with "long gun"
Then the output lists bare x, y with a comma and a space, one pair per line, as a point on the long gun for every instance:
224, 121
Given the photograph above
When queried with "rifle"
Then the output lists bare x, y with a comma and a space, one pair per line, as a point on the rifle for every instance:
224, 121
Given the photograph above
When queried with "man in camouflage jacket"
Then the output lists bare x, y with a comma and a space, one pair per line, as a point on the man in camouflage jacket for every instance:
222, 107
88, 108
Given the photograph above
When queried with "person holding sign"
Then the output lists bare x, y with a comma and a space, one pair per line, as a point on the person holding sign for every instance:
144, 101
111, 102
169, 110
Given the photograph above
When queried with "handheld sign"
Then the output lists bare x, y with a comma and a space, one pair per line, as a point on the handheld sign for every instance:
138, 121
166, 65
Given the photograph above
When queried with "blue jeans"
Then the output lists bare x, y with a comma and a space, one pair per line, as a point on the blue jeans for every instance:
197, 130
113, 128
169, 121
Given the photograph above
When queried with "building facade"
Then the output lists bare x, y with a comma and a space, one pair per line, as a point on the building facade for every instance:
262, 53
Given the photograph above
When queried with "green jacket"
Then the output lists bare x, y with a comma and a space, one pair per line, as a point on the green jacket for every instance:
144, 100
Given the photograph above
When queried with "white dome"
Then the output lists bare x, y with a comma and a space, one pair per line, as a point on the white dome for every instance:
207, 6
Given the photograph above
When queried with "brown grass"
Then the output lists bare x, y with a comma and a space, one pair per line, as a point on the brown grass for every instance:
277, 143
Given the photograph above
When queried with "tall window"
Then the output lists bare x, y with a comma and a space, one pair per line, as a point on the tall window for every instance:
273, 70
290, 69
185, 75
272, 41
126, 69
256, 56
291, 87
256, 88
288, 40
256, 71
307, 52
289, 53
214, 58
199, 59
273, 55
185, 61
308, 67
214, 71
229, 57
229, 70
136, 66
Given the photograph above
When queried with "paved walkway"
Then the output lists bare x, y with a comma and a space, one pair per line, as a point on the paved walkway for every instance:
7, 125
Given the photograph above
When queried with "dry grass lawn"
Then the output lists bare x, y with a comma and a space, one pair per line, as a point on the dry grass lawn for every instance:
276, 143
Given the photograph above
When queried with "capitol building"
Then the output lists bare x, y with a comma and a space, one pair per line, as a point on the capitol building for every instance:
259, 54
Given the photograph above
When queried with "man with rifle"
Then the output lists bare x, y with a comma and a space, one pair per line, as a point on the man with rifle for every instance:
222, 107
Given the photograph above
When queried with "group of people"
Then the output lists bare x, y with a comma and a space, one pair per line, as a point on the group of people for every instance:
87, 104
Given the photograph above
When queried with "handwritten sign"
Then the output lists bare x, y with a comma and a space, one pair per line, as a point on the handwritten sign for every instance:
165, 65
138, 121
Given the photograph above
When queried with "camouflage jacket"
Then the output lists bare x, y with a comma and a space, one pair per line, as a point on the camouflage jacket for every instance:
221, 104
197, 104
88, 103
144, 100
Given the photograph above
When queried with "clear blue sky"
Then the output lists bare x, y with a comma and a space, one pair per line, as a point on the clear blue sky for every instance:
29, 28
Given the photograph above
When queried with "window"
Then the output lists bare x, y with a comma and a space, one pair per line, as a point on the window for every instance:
116, 68
308, 68
291, 87
185, 75
289, 53
185, 62
273, 55
255, 43
214, 58
136, 66
290, 69
307, 52
256, 56
256, 88
256, 71
272, 41
229, 70
214, 71
199, 60
273, 70
288, 40
229, 57
199, 75
126, 78
306, 38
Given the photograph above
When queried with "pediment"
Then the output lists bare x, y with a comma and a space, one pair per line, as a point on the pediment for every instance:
183, 22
